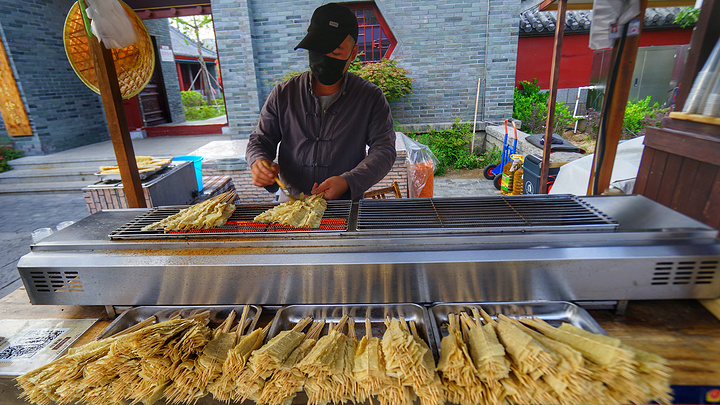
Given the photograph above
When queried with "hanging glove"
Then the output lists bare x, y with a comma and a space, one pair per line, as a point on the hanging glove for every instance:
111, 24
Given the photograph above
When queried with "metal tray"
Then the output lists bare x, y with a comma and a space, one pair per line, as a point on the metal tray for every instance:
218, 313
288, 316
552, 312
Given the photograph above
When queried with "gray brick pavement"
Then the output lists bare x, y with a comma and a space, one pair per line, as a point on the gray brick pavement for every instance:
19, 216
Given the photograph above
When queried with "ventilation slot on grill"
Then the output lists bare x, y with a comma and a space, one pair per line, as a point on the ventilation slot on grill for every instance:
56, 281
685, 272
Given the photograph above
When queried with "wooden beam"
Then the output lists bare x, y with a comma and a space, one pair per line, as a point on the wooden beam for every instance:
554, 75
614, 109
117, 123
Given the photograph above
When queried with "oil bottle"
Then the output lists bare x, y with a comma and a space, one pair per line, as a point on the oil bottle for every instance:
506, 182
518, 181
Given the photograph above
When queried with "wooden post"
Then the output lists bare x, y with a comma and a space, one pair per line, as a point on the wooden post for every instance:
117, 123
554, 74
614, 110
703, 39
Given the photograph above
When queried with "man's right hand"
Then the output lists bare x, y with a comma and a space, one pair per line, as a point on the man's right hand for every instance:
261, 175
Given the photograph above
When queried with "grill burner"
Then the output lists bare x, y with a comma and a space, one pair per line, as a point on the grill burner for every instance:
240, 222
505, 213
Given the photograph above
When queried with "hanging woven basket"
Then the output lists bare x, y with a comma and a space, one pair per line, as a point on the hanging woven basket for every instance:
134, 64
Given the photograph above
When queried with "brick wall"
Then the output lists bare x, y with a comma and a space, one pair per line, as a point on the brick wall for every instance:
63, 112
444, 44
160, 30
446, 47
233, 34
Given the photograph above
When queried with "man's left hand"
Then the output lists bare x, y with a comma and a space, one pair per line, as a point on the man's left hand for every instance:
334, 187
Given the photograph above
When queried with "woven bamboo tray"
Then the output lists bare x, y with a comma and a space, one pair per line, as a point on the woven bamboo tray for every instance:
134, 64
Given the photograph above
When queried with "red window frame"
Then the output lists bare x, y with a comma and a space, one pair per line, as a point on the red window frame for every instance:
382, 41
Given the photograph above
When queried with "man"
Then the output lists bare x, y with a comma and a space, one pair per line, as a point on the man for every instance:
324, 119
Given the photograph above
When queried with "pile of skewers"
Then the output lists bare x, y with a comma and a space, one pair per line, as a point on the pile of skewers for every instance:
481, 361
527, 361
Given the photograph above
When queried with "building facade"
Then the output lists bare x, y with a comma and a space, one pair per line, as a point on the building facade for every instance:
446, 46
63, 112
451, 48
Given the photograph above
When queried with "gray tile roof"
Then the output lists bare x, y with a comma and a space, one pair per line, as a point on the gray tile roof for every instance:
533, 22
184, 46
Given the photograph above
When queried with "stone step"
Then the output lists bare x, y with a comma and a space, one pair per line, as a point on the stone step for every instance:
48, 175
52, 187
41, 162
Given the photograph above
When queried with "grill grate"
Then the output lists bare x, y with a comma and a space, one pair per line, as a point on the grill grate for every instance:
506, 213
241, 222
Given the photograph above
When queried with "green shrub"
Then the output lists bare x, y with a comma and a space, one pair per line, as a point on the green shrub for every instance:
638, 116
203, 112
7, 153
530, 106
191, 98
197, 109
451, 148
386, 74
687, 16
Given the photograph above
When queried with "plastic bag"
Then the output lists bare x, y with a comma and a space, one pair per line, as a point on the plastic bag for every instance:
421, 164
111, 23
607, 12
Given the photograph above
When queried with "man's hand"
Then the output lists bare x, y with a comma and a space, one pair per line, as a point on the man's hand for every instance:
334, 187
261, 175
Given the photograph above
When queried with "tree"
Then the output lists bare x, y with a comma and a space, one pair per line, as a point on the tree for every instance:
192, 26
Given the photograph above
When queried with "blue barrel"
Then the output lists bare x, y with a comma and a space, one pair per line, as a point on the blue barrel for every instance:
197, 162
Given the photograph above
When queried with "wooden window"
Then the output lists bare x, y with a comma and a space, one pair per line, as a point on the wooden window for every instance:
375, 40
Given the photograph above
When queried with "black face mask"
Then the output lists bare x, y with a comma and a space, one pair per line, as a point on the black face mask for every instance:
326, 70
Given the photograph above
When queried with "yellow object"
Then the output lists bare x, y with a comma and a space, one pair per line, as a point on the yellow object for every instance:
12, 108
144, 164
506, 183
301, 213
134, 64
518, 182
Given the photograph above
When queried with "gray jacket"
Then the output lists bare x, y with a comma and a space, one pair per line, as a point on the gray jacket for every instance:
312, 148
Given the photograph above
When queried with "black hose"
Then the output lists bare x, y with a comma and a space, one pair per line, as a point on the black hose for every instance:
600, 154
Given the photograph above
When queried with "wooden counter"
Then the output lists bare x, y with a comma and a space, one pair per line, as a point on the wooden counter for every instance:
682, 331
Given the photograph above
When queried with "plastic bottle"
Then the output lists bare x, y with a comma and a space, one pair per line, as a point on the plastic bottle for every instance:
506, 182
518, 182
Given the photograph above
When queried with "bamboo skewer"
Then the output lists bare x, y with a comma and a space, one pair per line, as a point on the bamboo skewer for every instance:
482, 361
192, 376
288, 380
225, 387
264, 361
210, 213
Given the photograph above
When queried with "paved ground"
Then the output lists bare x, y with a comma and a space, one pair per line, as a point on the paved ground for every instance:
20, 214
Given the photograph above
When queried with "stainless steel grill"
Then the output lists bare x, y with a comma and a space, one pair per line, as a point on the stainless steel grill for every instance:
241, 222
524, 248
506, 214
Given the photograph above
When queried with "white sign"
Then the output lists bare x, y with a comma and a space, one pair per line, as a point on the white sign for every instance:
633, 28
166, 54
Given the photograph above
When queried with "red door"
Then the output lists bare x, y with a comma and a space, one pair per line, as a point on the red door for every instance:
132, 113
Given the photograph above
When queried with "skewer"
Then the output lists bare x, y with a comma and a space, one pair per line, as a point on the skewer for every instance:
152, 319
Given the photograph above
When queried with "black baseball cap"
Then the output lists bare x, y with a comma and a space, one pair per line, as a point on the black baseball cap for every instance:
329, 26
